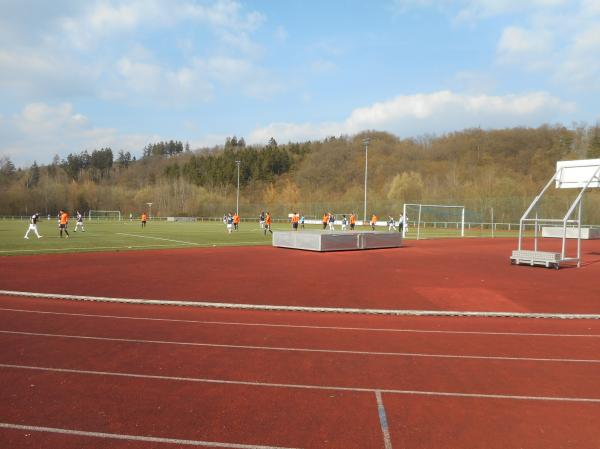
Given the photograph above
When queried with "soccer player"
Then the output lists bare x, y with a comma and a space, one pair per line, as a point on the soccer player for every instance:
261, 219
401, 223
391, 224
144, 219
344, 222
33, 226
295, 220
331, 222
79, 222
373, 221
302, 222
325, 220
404, 225
268, 223
63, 223
236, 221
352, 221
229, 223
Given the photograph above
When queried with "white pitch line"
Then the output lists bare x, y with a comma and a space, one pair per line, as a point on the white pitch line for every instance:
119, 436
383, 421
272, 307
298, 326
157, 238
309, 350
181, 242
303, 386
84, 248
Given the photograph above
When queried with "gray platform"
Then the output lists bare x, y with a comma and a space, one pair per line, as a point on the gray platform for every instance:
557, 232
336, 241
544, 258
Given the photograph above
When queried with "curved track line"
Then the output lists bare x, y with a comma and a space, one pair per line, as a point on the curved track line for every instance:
303, 386
146, 439
224, 305
309, 350
305, 326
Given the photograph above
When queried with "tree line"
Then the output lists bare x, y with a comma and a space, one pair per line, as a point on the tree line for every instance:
483, 169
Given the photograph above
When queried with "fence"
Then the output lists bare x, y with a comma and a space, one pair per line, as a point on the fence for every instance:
431, 225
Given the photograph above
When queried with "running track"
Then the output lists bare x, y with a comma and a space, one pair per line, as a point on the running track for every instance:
98, 375
437, 275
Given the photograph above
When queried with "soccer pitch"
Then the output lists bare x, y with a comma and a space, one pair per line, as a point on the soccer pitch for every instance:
127, 236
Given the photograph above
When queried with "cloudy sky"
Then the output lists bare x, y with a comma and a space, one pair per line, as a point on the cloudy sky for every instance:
79, 75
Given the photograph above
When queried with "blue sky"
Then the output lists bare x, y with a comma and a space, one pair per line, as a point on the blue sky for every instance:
79, 75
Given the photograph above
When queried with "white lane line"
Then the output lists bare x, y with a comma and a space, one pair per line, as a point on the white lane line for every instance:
272, 307
303, 387
309, 350
297, 326
383, 421
118, 436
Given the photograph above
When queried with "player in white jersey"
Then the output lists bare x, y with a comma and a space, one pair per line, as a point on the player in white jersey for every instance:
391, 224
33, 226
79, 222
331, 220
344, 223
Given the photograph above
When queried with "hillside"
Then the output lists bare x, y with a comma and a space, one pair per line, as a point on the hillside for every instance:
500, 169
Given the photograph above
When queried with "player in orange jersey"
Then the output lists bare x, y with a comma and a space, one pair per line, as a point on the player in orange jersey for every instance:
268, 223
373, 221
295, 220
63, 221
325, 220
144, 219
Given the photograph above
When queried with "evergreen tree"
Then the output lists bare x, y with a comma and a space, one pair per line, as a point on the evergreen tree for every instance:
593, 151
34, 175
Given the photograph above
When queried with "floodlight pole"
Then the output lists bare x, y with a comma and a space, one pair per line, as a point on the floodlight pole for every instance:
237, 201
149, 210
366, 142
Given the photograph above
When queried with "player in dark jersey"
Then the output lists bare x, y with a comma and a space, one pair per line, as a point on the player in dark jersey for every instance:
79, 222
33, 226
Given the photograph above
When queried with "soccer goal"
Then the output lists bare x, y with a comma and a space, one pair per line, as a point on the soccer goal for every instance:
433, 220
104, 215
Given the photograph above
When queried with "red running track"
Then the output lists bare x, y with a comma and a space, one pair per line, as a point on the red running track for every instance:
227, 378
459, 274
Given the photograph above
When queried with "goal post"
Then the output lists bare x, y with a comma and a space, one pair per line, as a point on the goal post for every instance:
104, 215
433, 216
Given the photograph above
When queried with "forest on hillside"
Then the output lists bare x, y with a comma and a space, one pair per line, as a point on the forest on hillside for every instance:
481, 169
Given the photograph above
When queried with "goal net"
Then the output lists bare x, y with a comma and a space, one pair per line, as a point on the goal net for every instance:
104, 215
433, 221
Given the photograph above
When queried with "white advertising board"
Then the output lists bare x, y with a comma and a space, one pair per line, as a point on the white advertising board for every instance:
576, 174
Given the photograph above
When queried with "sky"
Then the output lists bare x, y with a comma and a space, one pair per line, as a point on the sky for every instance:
82, 75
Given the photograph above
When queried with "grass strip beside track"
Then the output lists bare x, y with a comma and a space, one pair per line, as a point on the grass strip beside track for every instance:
221, 305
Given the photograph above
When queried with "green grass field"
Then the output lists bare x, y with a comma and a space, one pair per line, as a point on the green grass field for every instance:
125, 235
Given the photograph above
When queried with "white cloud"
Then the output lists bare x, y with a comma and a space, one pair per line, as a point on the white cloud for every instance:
91, 49
438, 112
469, 10
561, 45
481, 9
281, 34
104, 20
527, 47
40, 130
